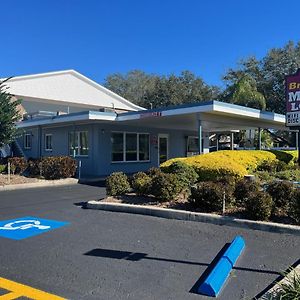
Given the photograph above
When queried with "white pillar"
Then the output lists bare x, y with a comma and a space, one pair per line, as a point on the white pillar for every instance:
200, 137
231, 140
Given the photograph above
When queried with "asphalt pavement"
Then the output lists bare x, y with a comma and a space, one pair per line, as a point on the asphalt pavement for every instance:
108, 255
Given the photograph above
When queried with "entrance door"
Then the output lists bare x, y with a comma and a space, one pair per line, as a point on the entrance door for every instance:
163, 148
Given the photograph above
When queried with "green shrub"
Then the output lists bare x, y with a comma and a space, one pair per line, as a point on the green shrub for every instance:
35, 167
295, 206
141, 183
208, 196
154, 171
17, 165
166, 186
289, 289
259, 206
243, 190
2, 168
57, 167
265, 175
273, 166
281, 193
117, 184
283, 156
291, 174
186, 174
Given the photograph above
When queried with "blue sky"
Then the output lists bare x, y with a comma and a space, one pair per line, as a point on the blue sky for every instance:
98, 38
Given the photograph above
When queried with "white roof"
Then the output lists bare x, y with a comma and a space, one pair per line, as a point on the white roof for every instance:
67, 87
215, 116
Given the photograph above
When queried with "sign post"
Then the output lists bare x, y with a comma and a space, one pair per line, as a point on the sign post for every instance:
292, 97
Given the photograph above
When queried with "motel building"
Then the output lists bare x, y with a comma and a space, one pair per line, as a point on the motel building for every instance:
66, 113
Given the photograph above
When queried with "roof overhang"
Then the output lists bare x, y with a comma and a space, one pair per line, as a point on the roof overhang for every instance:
214, 116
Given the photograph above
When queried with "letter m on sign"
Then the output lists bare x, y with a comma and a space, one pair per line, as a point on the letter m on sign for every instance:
292, 96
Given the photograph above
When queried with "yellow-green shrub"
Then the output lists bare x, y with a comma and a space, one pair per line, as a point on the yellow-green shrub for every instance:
294, 153
218, 164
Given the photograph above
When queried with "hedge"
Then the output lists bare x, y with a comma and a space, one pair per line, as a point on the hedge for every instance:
17, 165
57, 167
232, 163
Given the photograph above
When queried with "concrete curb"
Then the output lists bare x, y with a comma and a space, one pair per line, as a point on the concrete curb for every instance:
193, 216
38, 184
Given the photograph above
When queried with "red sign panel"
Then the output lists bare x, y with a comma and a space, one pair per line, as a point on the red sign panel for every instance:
292, 92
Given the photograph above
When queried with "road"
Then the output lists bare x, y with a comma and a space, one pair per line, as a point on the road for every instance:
107, 255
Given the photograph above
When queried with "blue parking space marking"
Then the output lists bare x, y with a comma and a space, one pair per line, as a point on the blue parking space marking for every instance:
22, 228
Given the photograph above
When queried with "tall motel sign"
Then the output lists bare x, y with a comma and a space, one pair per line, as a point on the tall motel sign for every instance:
292, 95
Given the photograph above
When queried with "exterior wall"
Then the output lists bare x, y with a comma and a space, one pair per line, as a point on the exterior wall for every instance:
98, 162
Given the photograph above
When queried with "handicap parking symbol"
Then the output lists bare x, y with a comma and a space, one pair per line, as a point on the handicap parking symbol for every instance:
22, 228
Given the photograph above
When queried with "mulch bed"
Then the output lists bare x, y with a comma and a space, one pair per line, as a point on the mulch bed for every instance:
183, 204
16, 179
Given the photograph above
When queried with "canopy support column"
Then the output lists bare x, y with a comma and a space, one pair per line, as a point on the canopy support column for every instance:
232, 141
200, 137
259, 138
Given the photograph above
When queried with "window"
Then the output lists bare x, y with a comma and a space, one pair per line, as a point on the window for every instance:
193, 145
78, 143
144, 147
48, 142
130, 147
117, 141
27, 140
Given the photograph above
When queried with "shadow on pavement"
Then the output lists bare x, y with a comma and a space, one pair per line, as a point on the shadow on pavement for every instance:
136, 256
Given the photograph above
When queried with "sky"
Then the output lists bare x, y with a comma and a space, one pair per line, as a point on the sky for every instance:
98, 38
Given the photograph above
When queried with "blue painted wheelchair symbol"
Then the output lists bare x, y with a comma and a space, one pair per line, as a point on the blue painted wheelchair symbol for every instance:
23, 228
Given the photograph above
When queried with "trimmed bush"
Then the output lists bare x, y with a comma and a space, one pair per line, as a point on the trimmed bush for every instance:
166, 186
208, 196
154, 171
35, 167
291, 174
281, 193
57, 167
243, 190
117, 184
259, 206
215, 165
17, 165
141, 183
273, 166
294, 209
2, 168
186, 174
284, 156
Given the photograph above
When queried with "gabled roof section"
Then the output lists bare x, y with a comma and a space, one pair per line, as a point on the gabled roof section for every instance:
68, 87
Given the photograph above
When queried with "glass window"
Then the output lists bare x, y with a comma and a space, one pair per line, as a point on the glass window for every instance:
27, 141
83, 143
48, 142
131, 146
193, 146
117, 141
127, 146
144, 147
78, 143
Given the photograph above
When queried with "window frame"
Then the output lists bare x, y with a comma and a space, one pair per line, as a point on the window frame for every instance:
77, 137
51, 144
138, 147
27, 134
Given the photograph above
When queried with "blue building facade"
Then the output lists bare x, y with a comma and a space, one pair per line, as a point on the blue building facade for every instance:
136, 141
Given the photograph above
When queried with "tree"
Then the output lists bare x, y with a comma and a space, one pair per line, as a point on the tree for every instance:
245, 93
9, 115
268, 73
149, 90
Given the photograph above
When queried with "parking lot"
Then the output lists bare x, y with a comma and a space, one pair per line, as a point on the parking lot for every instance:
107, 255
